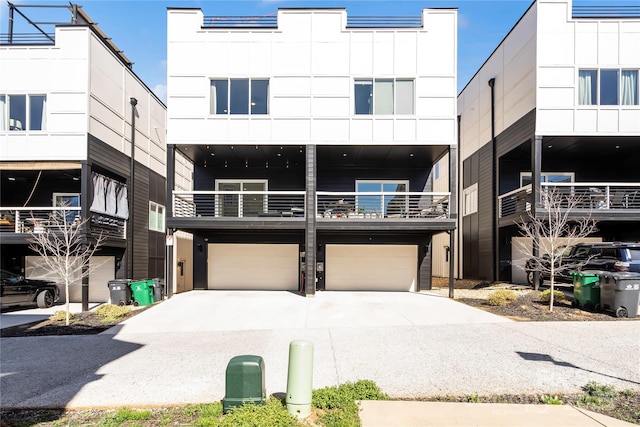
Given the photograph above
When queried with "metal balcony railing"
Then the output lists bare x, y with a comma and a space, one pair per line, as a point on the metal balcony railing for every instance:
238, 204
28, 220
382, 205
590, 195
610, 11
271, 21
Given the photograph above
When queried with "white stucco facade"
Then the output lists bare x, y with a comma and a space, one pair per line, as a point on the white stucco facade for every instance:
311, 60
87, 90
536, 67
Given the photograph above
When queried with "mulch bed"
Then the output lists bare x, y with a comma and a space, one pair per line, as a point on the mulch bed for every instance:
85, 323
529, 308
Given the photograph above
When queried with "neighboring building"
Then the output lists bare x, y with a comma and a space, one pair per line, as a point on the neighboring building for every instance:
68, 98
554, 106
301, 148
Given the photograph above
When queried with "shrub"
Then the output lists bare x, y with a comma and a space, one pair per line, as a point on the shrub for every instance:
502, 297
271, 413
339, 403
600, 390
551, 400
558, 296
112, 312
60, 316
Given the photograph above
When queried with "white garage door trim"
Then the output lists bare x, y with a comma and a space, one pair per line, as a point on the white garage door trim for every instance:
253, 266
371, 267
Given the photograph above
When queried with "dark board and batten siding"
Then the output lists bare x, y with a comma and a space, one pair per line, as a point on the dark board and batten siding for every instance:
478, 250
149, 246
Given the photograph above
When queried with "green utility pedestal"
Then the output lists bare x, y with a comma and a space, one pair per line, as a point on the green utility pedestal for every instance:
300, 378
244, 381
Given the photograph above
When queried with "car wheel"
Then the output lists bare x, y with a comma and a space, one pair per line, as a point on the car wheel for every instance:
530, 278
45, 299
622, 312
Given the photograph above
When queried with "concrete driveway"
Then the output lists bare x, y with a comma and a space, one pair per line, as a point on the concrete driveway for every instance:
202, 311
410, 344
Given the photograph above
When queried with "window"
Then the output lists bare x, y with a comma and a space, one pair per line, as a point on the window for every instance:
67, 200
387, 204
383, 96
525, 177
23, 112
241, 205
239, 96
437, 170
630, 87
587, 82
470, 200
608, 87
156, 217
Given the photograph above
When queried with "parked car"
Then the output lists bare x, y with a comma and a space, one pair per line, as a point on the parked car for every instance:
604, 256
17, 290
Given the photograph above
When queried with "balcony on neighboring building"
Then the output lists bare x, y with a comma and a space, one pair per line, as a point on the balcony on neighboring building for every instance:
602, 200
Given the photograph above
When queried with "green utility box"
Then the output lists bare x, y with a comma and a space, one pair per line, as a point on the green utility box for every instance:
244, 382
142, 293
586, 289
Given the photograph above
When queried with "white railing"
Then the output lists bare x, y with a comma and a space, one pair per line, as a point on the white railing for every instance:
27, 220
238, 204
32, 219
610, 196
379, 205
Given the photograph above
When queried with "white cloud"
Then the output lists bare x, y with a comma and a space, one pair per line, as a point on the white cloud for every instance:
161, 92
463, 22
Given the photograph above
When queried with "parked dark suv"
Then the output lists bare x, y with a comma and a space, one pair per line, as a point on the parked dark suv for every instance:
16, 290
605, 256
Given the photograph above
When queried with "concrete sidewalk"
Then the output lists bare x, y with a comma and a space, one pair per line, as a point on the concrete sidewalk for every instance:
411, 345
453, 414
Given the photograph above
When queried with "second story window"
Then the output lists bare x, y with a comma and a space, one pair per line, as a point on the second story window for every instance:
239, 96
156, 217
384, 96
608, 87
23, 112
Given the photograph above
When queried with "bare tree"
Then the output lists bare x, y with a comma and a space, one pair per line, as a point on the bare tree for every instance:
64, 248
552, 232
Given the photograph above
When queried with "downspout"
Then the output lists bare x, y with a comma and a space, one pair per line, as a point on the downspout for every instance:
130, 239
460, 184
494, 176
11, 7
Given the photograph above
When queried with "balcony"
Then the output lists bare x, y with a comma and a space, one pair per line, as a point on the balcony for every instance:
331, 206
615, 200
24, 221
388, 206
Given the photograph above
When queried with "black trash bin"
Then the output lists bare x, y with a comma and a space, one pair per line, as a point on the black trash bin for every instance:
620, 293
158, 289
119, 292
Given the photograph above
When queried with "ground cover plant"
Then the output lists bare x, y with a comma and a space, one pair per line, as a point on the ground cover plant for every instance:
332, 407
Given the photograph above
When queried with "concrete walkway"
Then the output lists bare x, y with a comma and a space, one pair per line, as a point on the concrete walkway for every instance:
411, 345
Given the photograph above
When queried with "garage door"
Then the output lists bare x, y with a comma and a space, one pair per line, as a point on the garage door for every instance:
247, 266
102, 270
371, 267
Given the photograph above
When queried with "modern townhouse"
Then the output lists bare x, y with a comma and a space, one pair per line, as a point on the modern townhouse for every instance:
555, 106
79, 130
302, 145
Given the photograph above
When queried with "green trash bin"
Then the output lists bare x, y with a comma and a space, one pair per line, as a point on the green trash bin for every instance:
142, 293
586, 289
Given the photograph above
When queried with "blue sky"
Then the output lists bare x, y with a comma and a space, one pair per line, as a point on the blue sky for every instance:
138, 27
